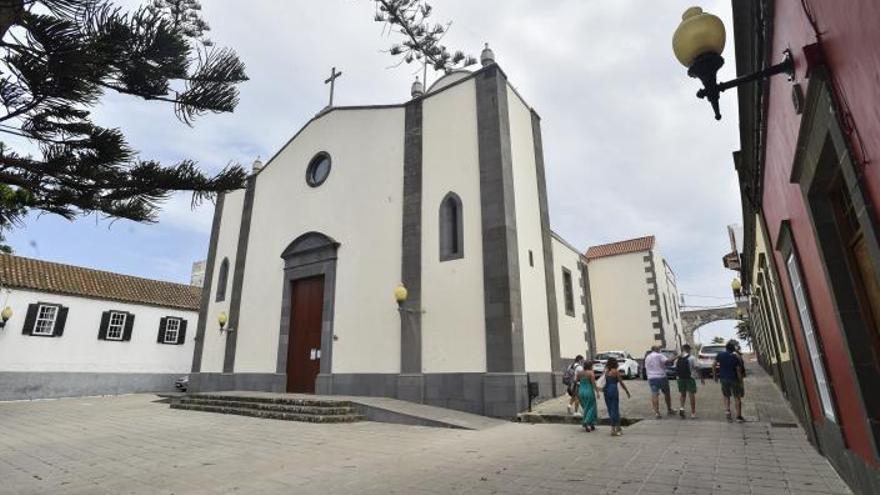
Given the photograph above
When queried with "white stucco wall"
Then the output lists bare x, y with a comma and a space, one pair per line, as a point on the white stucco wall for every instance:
536, 329
359, 206
572, 329
453, 325
214, 345
78, 348
621, 307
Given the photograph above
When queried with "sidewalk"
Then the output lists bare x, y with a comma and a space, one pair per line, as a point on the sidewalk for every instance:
763, 402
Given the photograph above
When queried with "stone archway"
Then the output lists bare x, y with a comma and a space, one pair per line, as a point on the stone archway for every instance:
695, 318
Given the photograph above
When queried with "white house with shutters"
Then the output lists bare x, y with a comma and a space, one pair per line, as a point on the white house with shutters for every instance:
443, 194
74, 331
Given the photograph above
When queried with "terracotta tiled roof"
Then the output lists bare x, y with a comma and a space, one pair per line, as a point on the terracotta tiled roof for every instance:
621, 247
27, 273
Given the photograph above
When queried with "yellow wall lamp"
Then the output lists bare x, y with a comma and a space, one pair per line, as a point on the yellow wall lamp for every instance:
223, 319
698, 42
5, 315
401, 294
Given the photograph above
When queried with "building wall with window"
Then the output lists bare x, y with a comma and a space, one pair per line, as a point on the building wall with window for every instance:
811, 180
529, 237
67, 337
449, 338
571, 301
667, 302
214, 343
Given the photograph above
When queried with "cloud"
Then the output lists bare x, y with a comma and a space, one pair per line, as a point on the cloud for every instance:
629, 150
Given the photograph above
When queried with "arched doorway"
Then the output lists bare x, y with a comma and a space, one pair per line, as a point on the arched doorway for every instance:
305, 341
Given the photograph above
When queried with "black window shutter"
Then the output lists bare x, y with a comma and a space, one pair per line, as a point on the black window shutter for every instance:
30, 319
60, 321
181, 333
105, 322
162, 323
129, 325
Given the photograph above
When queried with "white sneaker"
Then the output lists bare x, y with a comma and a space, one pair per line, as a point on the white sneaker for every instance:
570, 411
578, 414
693, 416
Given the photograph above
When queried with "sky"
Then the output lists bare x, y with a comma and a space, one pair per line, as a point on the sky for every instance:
629, 150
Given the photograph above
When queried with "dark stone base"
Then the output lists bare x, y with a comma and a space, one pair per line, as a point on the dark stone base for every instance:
220, 382
505, 394
20, 385
411, 387
861, 477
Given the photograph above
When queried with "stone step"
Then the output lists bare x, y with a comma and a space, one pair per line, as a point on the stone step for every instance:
270, 414
296, 401
268, 406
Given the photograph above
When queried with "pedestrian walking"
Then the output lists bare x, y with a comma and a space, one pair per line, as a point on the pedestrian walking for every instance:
655, 369
686, 371
729, 367
570, 378
587, 396
612, 394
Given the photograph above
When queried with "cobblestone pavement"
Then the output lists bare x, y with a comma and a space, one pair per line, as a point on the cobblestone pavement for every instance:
133, 445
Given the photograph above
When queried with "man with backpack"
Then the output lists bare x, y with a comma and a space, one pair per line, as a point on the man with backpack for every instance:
686, 370
731, 369
570, 380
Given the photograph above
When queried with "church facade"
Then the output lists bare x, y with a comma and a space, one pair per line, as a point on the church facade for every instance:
443, 195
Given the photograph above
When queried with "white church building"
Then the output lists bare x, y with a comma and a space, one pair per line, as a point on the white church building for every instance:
443, 194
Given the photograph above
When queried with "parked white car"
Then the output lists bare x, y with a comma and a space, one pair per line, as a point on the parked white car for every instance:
627, 366
706, 358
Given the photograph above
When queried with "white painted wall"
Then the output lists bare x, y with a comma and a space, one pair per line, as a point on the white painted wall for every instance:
453, 325
78, 348
360, 207
533, 287
214, 346
572, 337
621, 304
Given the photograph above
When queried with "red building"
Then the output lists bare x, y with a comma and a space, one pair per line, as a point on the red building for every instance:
809, 169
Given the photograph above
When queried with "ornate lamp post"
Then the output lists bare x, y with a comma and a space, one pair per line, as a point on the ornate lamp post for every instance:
698, 43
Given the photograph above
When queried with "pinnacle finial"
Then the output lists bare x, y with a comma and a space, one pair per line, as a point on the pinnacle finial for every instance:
488, 56
417, 89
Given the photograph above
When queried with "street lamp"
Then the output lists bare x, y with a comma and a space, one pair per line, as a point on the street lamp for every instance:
222, 319
736, 285
400, 294
5, 315
698, 42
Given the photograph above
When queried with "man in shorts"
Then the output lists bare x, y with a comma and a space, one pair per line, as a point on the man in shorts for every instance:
729, 367
655, 368
686, 371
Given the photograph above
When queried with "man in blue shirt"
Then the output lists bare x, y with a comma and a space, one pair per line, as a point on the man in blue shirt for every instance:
729, 367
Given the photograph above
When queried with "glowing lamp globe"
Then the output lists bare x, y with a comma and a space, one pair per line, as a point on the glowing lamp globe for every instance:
400, 294
699, 33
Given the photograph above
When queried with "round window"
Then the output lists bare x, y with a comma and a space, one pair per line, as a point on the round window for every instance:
319, 169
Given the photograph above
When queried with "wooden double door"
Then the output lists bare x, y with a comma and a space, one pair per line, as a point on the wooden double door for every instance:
304, 343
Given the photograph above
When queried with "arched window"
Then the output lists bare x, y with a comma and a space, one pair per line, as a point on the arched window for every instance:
222, 277
451, 228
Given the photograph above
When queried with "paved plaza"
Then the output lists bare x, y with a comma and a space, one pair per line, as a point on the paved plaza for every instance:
136, 445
